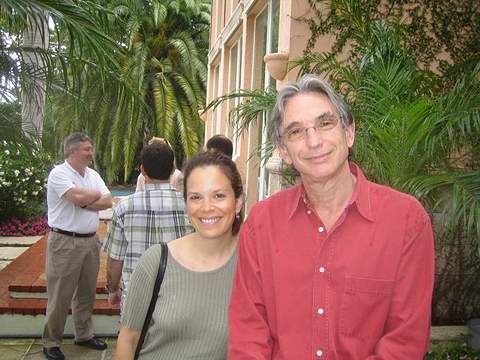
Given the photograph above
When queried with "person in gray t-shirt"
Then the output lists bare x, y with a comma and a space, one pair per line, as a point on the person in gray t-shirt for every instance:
190, 317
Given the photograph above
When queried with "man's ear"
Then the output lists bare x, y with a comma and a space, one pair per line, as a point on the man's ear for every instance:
282, 150
350, 134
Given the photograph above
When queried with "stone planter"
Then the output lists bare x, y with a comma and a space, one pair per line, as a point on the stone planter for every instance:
277, 64
474, 332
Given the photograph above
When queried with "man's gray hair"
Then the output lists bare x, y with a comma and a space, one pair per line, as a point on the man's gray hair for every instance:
73, 140
309, 83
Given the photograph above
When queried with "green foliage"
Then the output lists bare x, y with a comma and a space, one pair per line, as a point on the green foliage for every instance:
430, 28
451, 350
254, 104
77, 43
23, 176
161, 88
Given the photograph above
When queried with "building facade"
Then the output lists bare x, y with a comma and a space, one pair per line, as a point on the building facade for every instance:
242, 33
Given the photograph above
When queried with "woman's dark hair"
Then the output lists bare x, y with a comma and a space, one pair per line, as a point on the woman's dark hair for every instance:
221, 144
228, 167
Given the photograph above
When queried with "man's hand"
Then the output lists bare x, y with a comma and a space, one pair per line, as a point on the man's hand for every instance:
114, 273
114, 298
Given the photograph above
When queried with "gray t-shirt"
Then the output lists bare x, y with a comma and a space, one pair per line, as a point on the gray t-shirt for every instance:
190, 317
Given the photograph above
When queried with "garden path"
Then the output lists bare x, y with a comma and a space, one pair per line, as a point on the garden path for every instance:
13, 246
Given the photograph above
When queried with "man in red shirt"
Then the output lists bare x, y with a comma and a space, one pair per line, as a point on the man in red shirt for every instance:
336, 267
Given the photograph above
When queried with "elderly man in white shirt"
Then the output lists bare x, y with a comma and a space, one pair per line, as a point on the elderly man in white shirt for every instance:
75, 194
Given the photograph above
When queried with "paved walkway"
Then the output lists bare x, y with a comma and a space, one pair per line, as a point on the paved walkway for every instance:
31, 349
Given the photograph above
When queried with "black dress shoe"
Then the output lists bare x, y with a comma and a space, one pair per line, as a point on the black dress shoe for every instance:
93, 343
53, 353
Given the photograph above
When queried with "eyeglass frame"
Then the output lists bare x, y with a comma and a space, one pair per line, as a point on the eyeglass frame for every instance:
304, 130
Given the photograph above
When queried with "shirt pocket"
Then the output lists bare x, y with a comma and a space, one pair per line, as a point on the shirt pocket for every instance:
365, 305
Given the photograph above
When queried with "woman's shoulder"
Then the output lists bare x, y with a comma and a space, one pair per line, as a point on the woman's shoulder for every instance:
151, 258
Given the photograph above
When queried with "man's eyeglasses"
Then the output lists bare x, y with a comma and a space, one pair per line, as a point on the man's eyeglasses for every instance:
323, 123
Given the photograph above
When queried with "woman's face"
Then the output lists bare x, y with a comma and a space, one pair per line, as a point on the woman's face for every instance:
211, 203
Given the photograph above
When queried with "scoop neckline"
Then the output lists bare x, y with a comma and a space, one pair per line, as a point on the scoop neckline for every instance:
220, 268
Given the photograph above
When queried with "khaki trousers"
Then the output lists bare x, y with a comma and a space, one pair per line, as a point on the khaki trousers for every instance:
72, 268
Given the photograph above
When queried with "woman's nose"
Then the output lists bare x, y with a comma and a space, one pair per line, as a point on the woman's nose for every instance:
206, 204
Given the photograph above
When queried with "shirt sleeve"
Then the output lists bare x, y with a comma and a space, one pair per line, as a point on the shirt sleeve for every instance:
249, 332
407, 331
140, 289
101, 185
59, 182
116, 244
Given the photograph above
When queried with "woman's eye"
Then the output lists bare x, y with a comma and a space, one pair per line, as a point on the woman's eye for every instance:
193, 197
219, 196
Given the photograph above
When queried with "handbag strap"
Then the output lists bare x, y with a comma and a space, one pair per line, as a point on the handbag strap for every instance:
153, 300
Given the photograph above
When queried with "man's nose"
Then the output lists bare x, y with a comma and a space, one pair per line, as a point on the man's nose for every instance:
312, 139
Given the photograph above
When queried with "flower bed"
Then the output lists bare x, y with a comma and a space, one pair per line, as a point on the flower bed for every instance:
29, 227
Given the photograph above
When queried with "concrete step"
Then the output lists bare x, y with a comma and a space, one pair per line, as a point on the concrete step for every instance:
23, 295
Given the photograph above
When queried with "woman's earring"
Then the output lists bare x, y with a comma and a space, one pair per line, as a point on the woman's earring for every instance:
237, 216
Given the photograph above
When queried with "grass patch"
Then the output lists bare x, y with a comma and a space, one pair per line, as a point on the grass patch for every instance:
452, 350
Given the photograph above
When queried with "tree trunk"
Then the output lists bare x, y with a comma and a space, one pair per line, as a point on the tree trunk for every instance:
35, 39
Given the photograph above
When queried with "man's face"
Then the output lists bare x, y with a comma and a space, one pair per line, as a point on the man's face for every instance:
321, 153
83, 153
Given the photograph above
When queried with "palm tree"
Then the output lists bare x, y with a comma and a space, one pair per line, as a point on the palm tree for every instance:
31, 63
161, 88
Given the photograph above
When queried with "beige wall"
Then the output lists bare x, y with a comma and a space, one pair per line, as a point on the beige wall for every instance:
232, 19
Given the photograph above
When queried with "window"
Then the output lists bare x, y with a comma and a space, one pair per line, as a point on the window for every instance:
216, 90
235, 72
266, 41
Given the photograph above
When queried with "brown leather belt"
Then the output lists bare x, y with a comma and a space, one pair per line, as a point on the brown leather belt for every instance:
73, 234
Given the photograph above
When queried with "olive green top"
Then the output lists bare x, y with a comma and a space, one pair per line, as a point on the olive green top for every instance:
190, 317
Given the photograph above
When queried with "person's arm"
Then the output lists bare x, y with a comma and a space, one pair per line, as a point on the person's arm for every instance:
82, 197
114, 274
126, 343
115, 245
407, 331
103, 203
135, 307
249, 332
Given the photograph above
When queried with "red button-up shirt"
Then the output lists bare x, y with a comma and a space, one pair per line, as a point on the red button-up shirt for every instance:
359, 291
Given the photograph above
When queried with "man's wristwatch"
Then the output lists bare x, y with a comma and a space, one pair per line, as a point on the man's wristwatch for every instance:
110, 289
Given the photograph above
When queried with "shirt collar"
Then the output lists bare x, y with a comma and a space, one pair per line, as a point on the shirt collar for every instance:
70, 167
157, 186
360, 197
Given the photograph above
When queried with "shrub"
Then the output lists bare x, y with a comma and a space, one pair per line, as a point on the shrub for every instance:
451, 350
23, 176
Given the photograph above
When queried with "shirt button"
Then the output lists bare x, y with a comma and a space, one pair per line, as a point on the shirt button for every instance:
321, 229
320, 311
322, 269
319, 353
309, 212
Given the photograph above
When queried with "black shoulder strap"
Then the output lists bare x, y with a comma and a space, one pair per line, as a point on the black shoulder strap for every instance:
153, 301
